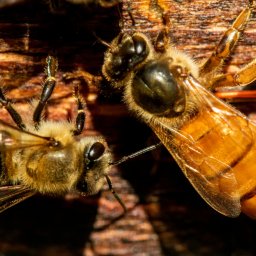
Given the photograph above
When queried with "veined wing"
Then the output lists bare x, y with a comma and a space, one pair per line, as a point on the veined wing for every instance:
203, 148
12, 195
13, 138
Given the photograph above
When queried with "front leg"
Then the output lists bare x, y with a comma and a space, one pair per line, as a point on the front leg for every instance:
80, 118
6, 103
48, 86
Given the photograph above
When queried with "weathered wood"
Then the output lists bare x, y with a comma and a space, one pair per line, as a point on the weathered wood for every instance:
166, 216
196, 26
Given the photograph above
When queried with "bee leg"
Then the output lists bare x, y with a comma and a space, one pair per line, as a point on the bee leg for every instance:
244, 76
115, 194
83, 76
80, 118
6, 103
228, 41
48, 86
163, 39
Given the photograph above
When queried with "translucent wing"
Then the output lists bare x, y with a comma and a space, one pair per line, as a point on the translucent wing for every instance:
13, 138
209, 146
11, 195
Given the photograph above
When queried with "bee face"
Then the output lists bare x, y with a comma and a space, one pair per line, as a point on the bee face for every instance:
96, 160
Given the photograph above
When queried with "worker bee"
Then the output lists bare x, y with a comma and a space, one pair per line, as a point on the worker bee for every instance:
48, 157
213, 143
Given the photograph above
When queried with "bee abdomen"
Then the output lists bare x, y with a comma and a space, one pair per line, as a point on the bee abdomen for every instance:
227, 157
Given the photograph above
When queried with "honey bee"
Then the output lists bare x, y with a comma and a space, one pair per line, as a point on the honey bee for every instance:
48, 157
213, 143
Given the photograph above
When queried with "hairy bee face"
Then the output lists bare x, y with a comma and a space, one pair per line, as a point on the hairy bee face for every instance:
95, 165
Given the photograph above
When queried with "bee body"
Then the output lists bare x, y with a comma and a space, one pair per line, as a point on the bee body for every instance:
48, 156
49, 169
222, 148
46, 169
213, 143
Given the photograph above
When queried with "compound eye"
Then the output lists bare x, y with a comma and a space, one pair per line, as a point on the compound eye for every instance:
140, 46
131, 52
96, 151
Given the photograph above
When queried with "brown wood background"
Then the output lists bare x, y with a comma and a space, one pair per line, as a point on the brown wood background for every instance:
166, 215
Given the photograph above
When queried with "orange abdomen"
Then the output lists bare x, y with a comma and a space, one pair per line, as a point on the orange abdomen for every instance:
232, 143
217, 152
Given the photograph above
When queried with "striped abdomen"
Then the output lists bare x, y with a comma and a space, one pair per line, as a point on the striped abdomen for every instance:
216, 151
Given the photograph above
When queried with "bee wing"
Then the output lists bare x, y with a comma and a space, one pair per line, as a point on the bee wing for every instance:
209, 174
13, 138
11, 195
210, 190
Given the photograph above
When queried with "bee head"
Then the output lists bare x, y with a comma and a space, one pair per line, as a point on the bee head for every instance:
97, 161
124, 55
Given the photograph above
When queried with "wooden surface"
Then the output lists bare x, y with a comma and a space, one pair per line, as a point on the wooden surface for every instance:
166, 216
195, 26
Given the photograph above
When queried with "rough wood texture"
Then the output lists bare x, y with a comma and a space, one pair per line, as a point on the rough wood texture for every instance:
196, 26
166, 216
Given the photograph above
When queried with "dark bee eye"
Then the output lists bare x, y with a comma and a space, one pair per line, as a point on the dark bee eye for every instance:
96, 151
91, 156
131, 52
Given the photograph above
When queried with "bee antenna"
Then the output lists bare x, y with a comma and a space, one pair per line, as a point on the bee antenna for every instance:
135, 154
115, 194
129, 11
102, 41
